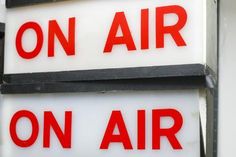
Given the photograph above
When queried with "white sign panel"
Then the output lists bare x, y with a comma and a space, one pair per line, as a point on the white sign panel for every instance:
103, 34
127, 124
2, 11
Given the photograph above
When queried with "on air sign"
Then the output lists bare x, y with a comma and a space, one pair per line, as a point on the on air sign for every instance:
85, 35
137, 118
150, 123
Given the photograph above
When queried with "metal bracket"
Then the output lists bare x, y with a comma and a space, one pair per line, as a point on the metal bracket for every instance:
19, 3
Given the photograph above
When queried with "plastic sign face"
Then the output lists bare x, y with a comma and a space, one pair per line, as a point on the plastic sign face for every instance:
147, 123
85, 35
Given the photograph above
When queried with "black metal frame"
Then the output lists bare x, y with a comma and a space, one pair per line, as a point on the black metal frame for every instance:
191, 76
108, 85
2, 33
188, 70
18, 3
2, 29
212, 98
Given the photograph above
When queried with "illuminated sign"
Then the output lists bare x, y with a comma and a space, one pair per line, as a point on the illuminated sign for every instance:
88, 35
147, 123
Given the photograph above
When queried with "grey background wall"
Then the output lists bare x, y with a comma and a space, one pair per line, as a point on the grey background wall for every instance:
227, 77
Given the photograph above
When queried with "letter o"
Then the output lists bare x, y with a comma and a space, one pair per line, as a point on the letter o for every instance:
35, 128
31, 54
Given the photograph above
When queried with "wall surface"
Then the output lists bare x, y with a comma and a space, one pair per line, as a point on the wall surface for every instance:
227, 85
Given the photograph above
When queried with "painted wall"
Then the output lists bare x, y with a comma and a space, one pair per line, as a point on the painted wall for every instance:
227, 106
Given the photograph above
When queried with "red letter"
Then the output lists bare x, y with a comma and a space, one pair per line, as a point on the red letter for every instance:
116, 119
170, 133
144, 29
50, 121
35, 128
119, 21
161, 30
36, 27
54, 30
141, 129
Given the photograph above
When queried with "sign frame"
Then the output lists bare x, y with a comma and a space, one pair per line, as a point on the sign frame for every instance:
189, 70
